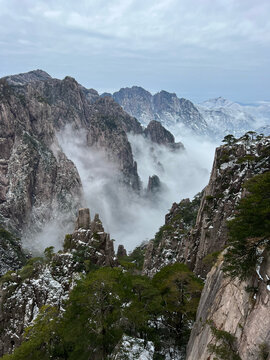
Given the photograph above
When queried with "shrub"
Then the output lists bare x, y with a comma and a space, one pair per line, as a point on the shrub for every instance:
211, 259
225, 347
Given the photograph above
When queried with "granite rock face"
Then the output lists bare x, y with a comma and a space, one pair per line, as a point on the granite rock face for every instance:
36, 182
228, 306
48, 281
233, 165
154, 184
121, 251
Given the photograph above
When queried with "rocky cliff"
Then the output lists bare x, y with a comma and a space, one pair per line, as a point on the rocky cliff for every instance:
48, 280
191, 243
36, 180
233, 315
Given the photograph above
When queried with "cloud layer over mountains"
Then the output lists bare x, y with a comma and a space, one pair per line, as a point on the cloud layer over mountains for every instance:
131, 218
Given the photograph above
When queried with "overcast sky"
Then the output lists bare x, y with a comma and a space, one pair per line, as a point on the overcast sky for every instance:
198, 49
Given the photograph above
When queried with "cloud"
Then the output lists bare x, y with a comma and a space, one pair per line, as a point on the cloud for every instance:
129, 218
187, 47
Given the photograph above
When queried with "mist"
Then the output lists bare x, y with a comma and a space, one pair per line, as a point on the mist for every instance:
131, 218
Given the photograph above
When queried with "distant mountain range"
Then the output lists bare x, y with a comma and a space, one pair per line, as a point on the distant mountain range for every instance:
164, 107
213, 118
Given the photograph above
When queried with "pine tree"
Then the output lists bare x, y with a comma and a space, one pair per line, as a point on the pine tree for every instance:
249, 231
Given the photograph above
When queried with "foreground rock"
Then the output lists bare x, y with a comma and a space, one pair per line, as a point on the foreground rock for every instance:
226, 305
48, 281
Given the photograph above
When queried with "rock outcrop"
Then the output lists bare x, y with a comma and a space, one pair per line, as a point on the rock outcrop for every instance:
154, 185
233, 165
121, 251
48, 281
161, 136
228, 305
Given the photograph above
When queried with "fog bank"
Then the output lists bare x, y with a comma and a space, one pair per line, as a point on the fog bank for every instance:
128, 217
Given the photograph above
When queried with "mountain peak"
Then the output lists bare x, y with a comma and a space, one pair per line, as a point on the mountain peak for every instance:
31, 76
216, 102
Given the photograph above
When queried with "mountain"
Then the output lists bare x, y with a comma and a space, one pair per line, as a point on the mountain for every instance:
164, 107
231, 309
86, 301
39, 184
214, 118
229, 313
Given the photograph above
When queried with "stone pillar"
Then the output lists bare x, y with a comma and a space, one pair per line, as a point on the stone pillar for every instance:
121, 251
83, 220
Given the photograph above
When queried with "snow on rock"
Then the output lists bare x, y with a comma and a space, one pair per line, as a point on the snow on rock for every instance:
48, 281
131, 348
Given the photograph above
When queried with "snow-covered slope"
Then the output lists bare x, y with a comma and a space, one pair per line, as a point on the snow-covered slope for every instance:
226, 117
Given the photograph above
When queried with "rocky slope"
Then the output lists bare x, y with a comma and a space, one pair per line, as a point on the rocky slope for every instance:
47, 281
164, 107
178, 239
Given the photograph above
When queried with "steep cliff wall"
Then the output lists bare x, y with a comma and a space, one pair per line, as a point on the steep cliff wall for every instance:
35, 182
243, 315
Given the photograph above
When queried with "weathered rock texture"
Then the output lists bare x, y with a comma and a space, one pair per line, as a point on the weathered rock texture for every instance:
233, 165
166, 248
154, 184
48, 281
164, 107
36, 183
226, 304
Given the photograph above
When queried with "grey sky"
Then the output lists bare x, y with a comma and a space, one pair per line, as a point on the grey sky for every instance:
196, 48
